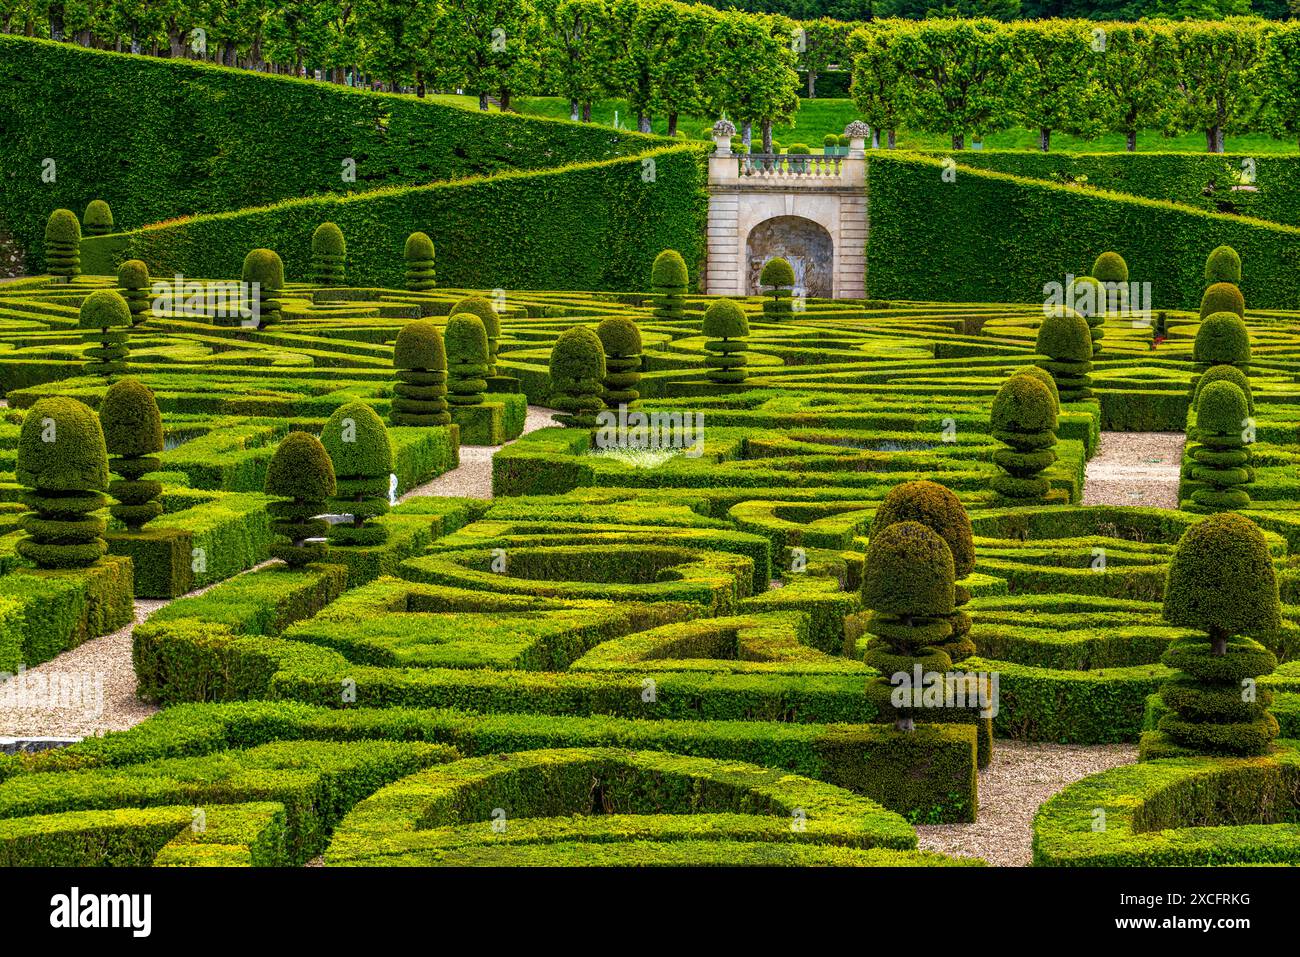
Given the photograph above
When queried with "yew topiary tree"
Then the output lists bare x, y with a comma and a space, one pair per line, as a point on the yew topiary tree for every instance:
908, 583
778, 279
1222, 339
362, 455
726, 328
483, 308
1092, 301
668, 281
1223, 265
264, 267
1045, 377
1110, 267
621, 340
1225, 373
421, 364
133, 284
419, 255
301, 476
1222, 459
1223, 297
467, 359
63, 244
98, 218
62, 466
133, 435
1221, 582
1024, 418
577, 374
105, 319
329, 256
1065, 339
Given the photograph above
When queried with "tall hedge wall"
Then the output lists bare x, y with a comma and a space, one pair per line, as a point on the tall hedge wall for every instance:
587, 226
162, 138
994, 237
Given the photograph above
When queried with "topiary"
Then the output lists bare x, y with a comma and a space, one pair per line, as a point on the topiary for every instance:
1110, 267
778, 278
1091, 299
1222, 460
577, 371
939, 510
1223, 265
1045, 377
133, 284
727, 328
264, 267
329, 256
98, 218
1221, 581
1225, 373
483, 308
1065, 339
133, 435
467, 359
1023, 417
1223, 297
105, 318
362, 454
62, 465
908, 583
419, 256
668, 281
63, 244
621, 341
421, 364
301, 475
1222, 340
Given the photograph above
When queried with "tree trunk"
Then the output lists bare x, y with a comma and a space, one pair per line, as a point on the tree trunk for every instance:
586, 112
767, 136
1211, 139
812, 85
573, 109
893, 139
672, 124
959, 141
1132, 141
483, 102
419, 83
1044, 139
505, 101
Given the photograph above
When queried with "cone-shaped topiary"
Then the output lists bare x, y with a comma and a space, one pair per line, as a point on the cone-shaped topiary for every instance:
329, 256
264, 267
1065, 339
1045, 377
133, 284
621, 340
1024, 417
1110, 267
133, 435
1222, 460
105, 318
63, 244
1092, 300
301, 475
483, 308
419, 256
1225, 373
668, 281
362, 454
1222, 340
939, 510
1223, 265
777, 278
63, 468
1223, 297
1221, 581
467, 359
908, 583
577, 374
421, 364
98, 218
727, 328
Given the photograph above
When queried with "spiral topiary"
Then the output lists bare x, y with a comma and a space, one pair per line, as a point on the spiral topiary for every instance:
421, 364
419, 256
483, 308
63, 244
939, 510
1091, 300
133, 284
362, 455
577, 374
908, 583
1023, 417
467, 359
778, 278
1045, 377
727, 328
1065, 339
133, 435
1110, 267
329, 256
98, 218
1223, 265
668, 281
1221, 581
1222, 460
105, 318
1223, 297
621, 340
63, 468
301, 476
1222, 340
264, 267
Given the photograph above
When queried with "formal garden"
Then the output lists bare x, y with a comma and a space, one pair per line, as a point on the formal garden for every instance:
447, 516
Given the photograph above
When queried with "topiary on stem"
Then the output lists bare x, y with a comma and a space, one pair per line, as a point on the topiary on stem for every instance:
133, 435
483, 308
669, 280
104, 319
778, 278
264, 267
133, 284
301, 476
98, 218
1110, 267
329, 256
1223, 265
62, 465
577, 371
1222, 459
621, 340
467, 359
421, 364
1222, 339
1223, 297
1065, 339
1024, 418
1225, 373
419, 256
1045, 377
63, 244
727, 329
362, 455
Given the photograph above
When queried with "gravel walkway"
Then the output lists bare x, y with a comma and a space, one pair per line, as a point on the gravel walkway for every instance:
1021, 777
1135, 468
473, 477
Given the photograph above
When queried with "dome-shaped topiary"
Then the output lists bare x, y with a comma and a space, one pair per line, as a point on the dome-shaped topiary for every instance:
1066, 340
1222, 459
1223, 265
1221, 408
63, 227
467, 358
63, 466
1110, 267
264, 267
1223, 297
725, 319
133, 434
1023, 405
104, 309
301, 474
98, 218
1024, 418
419, 346
329, 255
419, 256
133, 274
1228, 374
619, 336
105, 316
908, 572
421, 363
938, 509
1222, 340
777, 277
1091, 298
485, 310
1045, 377
621, 340
362, 454
133, 284
727, 327
669, 280
63, 244
577, 369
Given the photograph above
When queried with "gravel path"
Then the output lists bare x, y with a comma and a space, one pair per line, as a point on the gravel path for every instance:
1021, 777
473, 477
1135, 468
